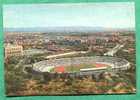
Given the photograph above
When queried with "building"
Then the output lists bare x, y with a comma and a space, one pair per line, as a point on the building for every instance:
13, 50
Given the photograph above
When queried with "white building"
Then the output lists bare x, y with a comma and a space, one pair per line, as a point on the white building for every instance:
13, 50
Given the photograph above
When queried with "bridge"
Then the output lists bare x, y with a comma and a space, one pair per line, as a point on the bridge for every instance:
114, 50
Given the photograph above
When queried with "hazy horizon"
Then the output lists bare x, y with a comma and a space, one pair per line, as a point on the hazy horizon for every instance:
67, 29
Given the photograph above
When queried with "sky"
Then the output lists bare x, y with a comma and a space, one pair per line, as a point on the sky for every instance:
109, 15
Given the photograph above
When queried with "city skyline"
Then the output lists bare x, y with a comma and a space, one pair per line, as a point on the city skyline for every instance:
70, 15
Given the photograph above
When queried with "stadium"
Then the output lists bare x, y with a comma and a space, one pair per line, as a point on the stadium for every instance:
82, 65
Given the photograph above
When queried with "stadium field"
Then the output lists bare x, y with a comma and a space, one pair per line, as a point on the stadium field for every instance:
76, 68
78, 64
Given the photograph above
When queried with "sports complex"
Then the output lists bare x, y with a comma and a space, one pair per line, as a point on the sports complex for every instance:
82, 65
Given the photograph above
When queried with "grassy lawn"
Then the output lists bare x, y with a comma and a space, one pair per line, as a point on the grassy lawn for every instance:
76, 68
73, 68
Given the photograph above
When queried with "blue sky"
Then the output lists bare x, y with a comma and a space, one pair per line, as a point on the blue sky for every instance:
109, 15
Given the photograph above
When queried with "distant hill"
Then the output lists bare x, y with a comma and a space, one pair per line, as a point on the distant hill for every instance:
65, 29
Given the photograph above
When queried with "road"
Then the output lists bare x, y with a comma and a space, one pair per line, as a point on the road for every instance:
66, 54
